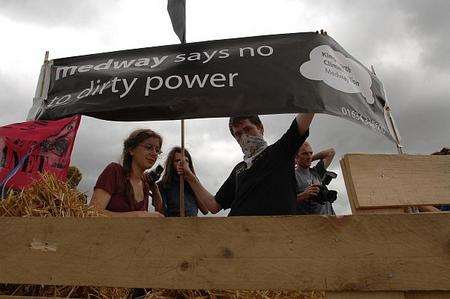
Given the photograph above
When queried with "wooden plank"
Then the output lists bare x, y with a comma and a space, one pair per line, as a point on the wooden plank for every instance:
360, 252
352, 194
379, 211
348, 180
399, 180
364, 295
427, 295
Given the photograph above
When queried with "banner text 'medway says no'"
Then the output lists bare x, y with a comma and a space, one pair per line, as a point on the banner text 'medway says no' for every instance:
62, 72
122, 86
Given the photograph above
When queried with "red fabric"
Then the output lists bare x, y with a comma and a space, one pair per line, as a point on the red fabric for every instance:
114, 181
48, 143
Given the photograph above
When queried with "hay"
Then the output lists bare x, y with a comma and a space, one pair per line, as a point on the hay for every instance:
63, 291
50, 197
95, 292
233, 294
47, 197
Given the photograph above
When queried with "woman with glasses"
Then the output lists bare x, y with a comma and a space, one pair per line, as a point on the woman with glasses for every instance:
122, 189
170, 186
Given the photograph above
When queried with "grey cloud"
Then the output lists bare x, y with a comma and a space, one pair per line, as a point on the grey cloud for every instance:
429, 22
363, 27
366, 28
12, 96
55, 12
425, 128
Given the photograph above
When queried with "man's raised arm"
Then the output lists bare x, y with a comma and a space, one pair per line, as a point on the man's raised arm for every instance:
303, 122
326, 156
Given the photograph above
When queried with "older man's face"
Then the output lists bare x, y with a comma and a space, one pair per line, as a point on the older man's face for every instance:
304, 156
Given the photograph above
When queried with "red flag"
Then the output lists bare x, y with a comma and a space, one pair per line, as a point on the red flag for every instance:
30, 148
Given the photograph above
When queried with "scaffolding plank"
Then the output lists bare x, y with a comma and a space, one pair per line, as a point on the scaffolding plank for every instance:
359, 252
352, 198
377, 181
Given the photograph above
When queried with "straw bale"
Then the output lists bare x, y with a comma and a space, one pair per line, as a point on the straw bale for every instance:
63, 291
51, 197
233, 294
47, 197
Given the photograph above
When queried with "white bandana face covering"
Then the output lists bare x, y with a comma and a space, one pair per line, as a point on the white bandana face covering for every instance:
251, 147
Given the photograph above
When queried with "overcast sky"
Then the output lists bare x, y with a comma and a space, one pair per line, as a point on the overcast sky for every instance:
407, 41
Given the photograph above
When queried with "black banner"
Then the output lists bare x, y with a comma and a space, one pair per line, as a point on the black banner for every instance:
289, 73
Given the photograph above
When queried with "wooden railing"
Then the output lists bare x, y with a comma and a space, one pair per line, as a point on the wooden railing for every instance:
356, 256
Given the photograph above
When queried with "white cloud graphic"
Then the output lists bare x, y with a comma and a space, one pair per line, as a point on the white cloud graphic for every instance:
338, 72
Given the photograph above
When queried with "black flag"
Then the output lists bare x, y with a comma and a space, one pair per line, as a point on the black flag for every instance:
177, 13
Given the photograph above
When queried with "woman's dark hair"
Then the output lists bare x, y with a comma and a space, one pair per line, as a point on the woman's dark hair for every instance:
133, 140
169, 169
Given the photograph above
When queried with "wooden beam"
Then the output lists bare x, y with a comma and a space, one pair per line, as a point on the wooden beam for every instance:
364, 295
361, 252
377, 181
427, 295
352, 198
348, 180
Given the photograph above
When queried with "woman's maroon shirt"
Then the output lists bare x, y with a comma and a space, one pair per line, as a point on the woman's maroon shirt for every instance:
114, 181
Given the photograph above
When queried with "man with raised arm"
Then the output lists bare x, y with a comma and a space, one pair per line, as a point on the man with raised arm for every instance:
264, 182
309, 179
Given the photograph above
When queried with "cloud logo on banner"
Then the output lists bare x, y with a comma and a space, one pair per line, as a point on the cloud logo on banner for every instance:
338, 72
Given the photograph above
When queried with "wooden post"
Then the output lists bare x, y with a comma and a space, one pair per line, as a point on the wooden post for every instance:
394, 129
182, 210
390, 119
44, 79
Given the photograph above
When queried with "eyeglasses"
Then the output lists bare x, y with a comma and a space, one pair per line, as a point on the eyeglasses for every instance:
151, 147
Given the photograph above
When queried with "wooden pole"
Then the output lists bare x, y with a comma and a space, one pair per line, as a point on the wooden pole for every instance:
182, 209
394, 129
389, 117
43, 80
